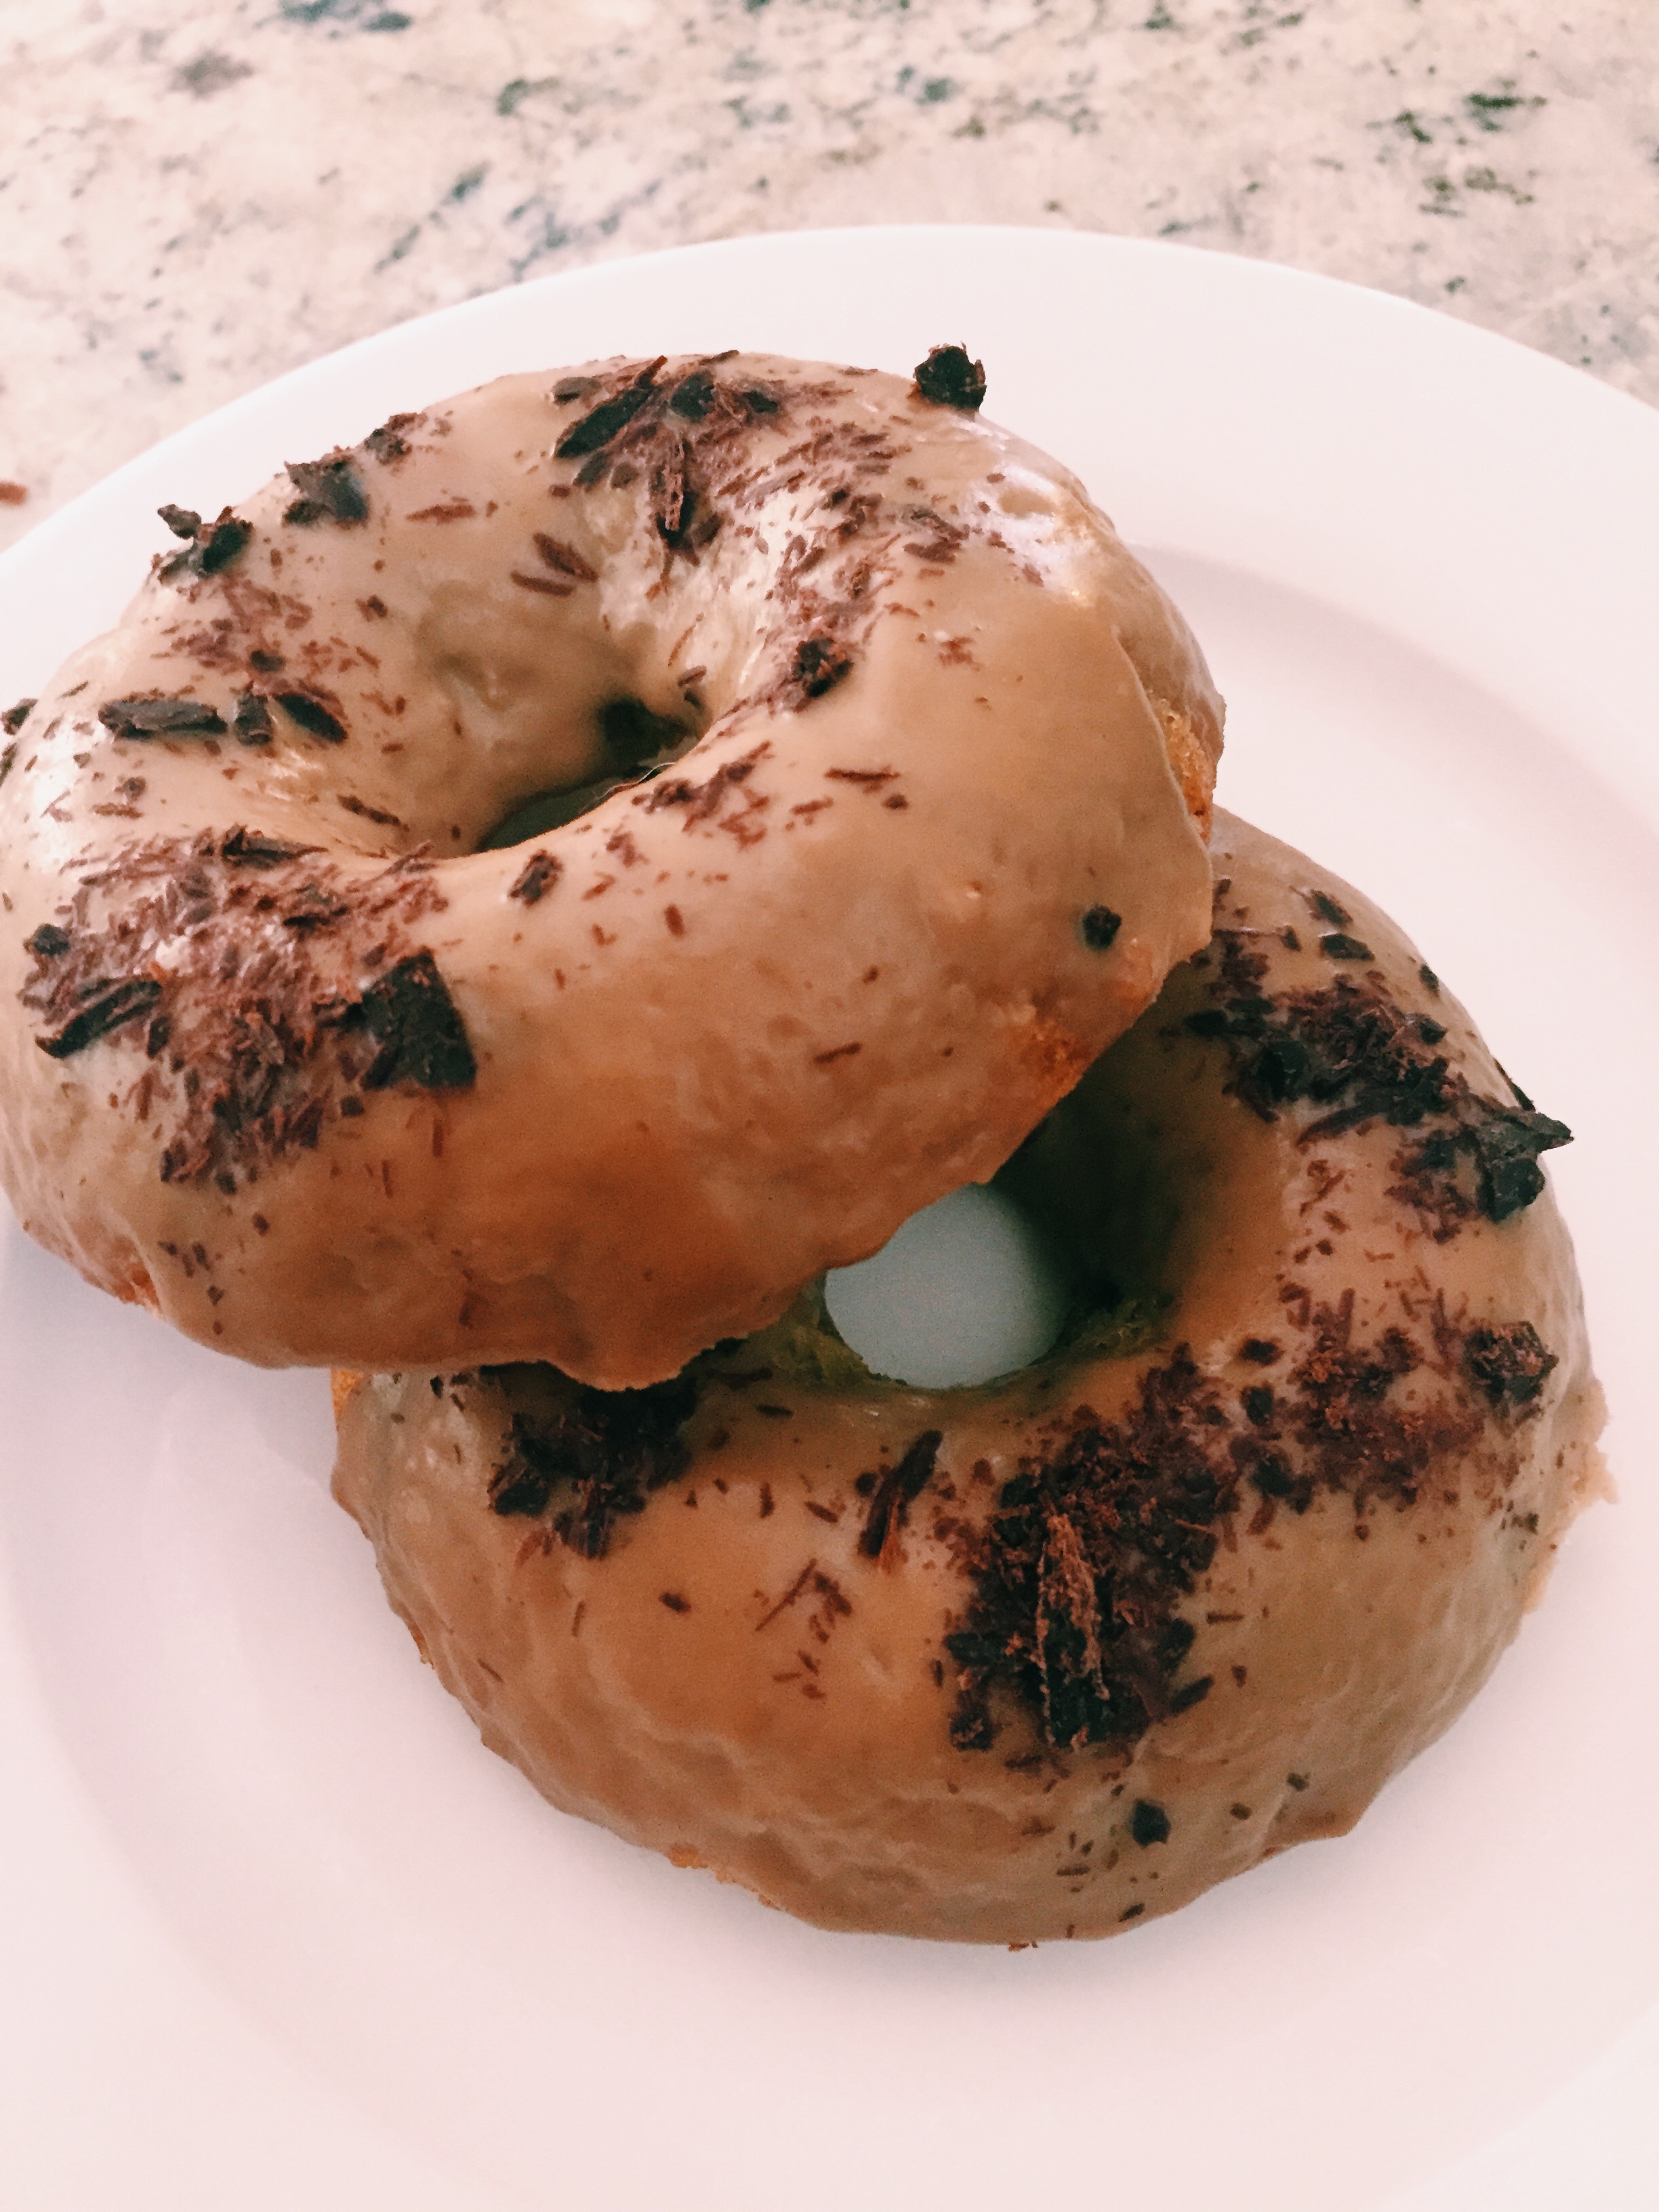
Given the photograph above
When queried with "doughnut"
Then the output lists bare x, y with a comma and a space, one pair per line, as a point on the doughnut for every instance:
1050, 1656
548, 881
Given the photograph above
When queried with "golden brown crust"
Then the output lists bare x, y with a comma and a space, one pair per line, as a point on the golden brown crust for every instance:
1052, 1657
262, 1000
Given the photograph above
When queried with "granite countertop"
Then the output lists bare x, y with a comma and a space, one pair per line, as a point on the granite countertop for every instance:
194, 197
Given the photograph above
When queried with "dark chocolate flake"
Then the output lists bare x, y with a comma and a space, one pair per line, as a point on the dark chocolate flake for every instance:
819, 664
1336, 945
48, 942
250, 719
331, 491
15, 716
1099, 926
219, 545
252, 848
536, 877
161, 717
1149, 1823
593, 431
896, 1490
111, 1009
948, 378
423, 1039
315, 719
182, 521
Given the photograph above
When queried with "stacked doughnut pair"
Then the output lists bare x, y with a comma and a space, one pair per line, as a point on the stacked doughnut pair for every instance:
518, 900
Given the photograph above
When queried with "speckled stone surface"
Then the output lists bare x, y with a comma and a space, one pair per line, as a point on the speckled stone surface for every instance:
195, 196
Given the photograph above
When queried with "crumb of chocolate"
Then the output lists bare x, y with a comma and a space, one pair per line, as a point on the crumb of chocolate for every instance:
950, 378
16, 714
1099, 926
182, 521
675, 1602
1259, 1350
1336, 945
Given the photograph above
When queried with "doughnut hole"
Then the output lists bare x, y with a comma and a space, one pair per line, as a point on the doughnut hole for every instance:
636, 743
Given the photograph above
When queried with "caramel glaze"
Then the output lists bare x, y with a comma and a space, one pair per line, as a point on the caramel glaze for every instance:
896, 769
1050, 1657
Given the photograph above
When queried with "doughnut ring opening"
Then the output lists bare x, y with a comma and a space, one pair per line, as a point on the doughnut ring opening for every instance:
1047, 1657
548, 881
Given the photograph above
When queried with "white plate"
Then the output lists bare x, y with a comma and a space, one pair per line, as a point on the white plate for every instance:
276, 1931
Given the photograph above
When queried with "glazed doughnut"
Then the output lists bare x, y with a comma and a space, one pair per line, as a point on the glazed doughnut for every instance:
288, 1057
1050, 1656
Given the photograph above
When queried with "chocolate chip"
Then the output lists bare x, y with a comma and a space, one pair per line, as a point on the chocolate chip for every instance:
1100, 927
182, 521
48, 942
15, 716
949, 378
1337, 946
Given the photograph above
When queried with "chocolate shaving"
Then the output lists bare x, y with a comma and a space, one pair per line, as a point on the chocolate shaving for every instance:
250, 719
948, 378
565, 559
252, 848
1079, 1574
159, 717
592, 432
591, 1458
388, 444
48, 942
15, 715
111, 1009
1350, 1047
210, 548
423, 1039
331, 491
312, 716
536, 877
896, 1489
819, 664
1149, 1823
